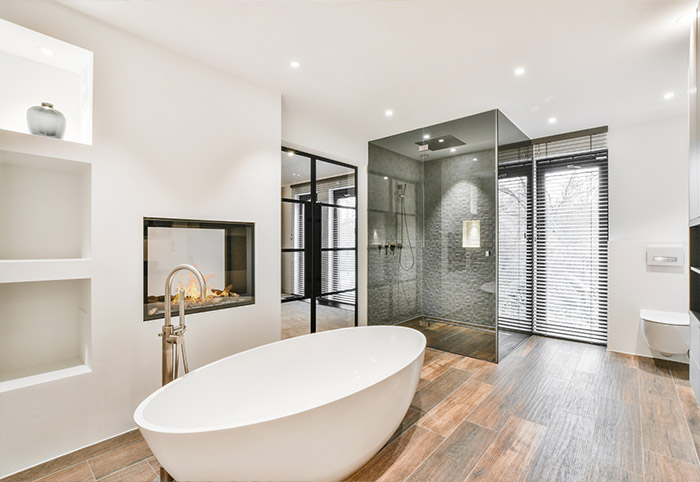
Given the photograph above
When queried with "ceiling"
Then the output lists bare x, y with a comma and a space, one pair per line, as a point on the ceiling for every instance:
587, 62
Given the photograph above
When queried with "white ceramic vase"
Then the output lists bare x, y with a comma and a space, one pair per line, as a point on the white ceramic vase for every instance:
46, 121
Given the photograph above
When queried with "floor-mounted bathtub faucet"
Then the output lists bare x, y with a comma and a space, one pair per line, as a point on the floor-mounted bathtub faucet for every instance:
175, 335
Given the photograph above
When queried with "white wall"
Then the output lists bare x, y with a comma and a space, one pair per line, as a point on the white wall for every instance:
171, 139
312, 134
648, 205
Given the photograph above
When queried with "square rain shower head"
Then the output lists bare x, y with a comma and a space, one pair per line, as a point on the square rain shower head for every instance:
438, 143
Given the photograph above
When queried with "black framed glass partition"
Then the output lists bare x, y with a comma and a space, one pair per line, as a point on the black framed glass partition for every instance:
319, 244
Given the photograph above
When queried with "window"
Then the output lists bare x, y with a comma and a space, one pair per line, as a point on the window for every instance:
571, 243
553, 238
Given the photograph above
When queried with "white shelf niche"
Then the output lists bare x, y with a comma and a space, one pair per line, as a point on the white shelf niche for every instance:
44, 207
36, 68
46, 331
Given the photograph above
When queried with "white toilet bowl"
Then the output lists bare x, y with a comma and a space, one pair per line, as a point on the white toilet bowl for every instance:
666, 331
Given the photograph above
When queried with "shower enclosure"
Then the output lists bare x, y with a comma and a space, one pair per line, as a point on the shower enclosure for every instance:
434, 214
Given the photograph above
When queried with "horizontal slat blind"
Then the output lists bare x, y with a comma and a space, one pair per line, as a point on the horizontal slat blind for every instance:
515, 246
571, 246
338, 231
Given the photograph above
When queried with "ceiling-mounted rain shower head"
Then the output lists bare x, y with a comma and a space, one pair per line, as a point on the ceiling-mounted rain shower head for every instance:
439, 142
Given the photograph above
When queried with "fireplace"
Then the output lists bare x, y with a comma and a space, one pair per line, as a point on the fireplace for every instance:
222, 251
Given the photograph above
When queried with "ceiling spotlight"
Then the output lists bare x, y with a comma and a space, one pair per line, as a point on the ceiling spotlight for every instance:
441, 140
552, 120
388, 113
474, 159
426, 136
669, 95
386, 177
453, 150
519, 71
46, 51
295, 64
290, 153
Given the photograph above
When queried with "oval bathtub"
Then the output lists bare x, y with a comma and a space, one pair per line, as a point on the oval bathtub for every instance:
316, 407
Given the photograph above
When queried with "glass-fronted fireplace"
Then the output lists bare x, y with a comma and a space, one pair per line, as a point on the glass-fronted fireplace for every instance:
222, 251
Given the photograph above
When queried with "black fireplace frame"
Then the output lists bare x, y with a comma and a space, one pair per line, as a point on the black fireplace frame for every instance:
228, 227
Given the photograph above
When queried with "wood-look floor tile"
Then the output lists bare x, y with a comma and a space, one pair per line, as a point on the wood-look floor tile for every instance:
153, 461
472, 365
456, 456
655, 379
598, 472
563, 455
510, 456
680, 372
454, 409
73, 458
691, 410
439, 365
401, 457
435, 392
541, 400
664, 429
592, 360
660, 468
105, 464
411, 417
77, 473
622, 359
140, 472
617, 440
495, 409
579, 398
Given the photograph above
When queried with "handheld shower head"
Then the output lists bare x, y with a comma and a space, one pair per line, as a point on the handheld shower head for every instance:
401, 190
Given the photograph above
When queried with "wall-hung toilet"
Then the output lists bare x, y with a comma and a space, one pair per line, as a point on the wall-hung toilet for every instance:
667, 332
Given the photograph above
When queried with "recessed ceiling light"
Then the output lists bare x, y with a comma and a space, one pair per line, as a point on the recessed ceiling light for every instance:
386, 177
519, 71
388, 112
295, 64
669, 95
552, 120
290, 153
441, 140
474, 159
426, 136
46, 51
453, 150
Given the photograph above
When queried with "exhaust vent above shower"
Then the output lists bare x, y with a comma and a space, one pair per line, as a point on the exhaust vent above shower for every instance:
439, 143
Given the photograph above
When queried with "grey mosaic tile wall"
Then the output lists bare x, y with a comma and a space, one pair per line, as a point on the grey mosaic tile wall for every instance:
458, 283
446, 280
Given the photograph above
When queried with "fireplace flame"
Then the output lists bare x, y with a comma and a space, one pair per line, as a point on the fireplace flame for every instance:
191, 289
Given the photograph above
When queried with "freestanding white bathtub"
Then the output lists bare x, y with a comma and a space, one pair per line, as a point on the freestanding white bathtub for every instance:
316, 407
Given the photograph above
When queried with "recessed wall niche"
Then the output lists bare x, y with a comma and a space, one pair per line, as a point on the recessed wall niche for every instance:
44, 207
45, 329
36, 68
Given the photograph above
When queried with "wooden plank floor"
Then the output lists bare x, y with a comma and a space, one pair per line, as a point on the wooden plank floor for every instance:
551, 411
